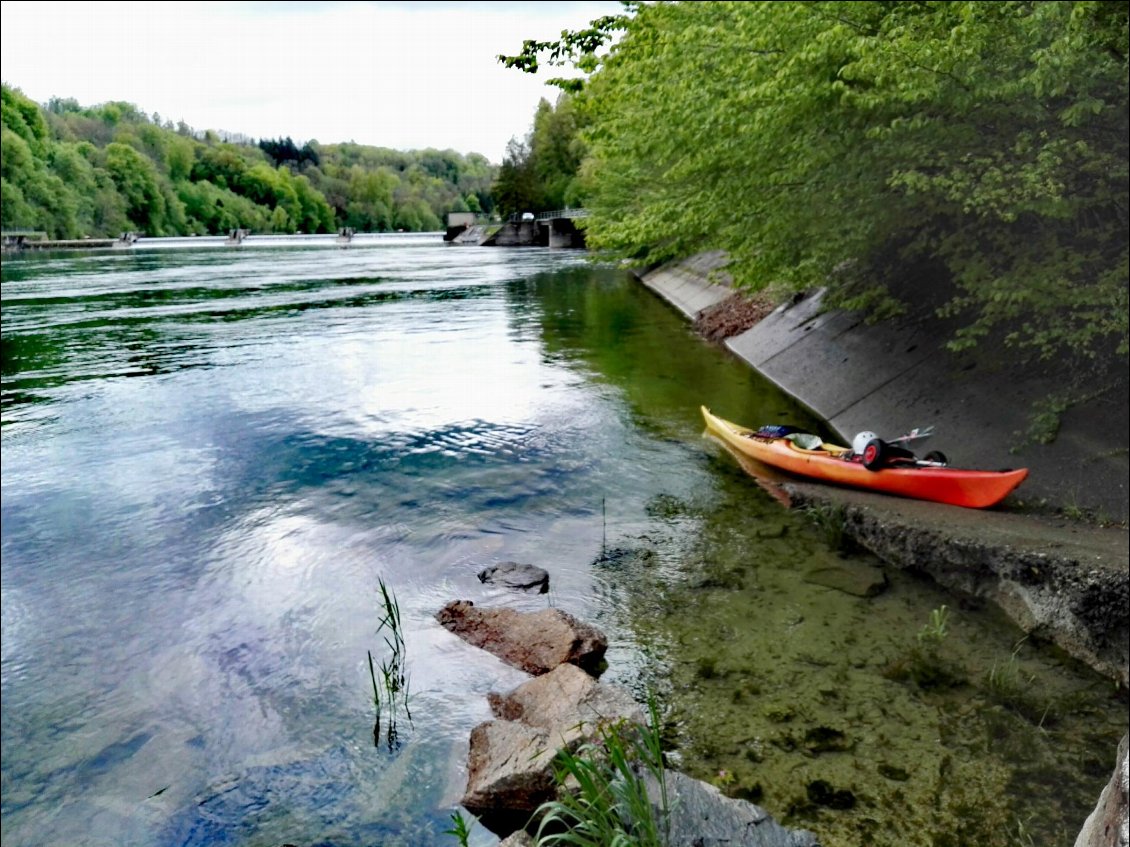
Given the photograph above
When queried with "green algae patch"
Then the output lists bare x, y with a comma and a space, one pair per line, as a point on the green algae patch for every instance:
903, 717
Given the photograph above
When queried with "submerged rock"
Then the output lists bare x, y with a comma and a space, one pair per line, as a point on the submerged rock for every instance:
517, 576
853, 578
826, 739
822, 793
535, 642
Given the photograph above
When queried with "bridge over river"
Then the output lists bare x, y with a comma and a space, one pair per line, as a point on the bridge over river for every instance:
555, 228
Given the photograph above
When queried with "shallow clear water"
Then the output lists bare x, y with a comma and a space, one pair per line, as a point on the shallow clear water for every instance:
212, 456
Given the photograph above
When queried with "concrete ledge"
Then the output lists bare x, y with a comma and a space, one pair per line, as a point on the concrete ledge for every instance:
1064, 585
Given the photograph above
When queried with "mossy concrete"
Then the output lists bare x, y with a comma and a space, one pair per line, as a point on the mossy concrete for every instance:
1060, 581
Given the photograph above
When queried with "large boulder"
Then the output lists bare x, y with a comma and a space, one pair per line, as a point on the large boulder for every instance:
536, 642
510, 764
509, 774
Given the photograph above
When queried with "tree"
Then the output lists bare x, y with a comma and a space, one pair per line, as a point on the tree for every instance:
516, 188
136, 179
75, 171
853, 145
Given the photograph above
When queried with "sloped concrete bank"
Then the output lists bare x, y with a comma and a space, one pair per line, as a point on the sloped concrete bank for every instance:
1063, 581
896, 375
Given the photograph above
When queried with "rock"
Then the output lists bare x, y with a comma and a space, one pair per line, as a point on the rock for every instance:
567, 702
509, 774
517, 576
1068, 587
510, 764
1108, 825
893, 773
822, 793
853, 578
702, 816
536, 642
521, 838
826, 739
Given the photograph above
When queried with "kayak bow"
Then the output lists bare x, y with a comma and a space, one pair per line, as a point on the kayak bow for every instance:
972, 489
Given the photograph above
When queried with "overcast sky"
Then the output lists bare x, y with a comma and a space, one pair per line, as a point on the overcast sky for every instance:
406, 75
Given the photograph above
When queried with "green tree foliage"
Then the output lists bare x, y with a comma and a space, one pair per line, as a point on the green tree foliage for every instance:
285, 151
73, 171
854, 144
517, 188
137, 181
541, 172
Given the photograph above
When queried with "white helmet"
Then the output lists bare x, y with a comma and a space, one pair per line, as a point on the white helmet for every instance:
860, 441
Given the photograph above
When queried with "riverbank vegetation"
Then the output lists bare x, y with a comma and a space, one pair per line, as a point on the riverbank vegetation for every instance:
73, 171
982, 147
541, 171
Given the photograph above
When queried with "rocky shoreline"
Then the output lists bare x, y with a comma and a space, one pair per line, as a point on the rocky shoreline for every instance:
1061, 581
511, 759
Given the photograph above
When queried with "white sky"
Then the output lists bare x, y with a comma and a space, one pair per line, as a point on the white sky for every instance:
405, 75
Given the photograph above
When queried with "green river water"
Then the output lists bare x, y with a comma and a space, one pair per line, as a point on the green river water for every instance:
212, 457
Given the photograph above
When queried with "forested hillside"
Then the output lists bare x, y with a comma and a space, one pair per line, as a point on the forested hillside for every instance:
74, 171
978, 151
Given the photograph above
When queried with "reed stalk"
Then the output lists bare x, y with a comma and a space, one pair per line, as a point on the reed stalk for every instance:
394, 672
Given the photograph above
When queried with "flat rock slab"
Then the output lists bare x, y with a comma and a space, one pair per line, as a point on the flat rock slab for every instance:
535, 642
516, 575
853, 578
702, 816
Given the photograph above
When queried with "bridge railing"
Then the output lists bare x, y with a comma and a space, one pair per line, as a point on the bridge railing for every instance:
549, 216
563, 213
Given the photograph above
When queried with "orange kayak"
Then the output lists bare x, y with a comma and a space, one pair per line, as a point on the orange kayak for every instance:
831, 463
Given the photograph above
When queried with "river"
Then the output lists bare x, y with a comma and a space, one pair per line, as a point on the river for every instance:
212, 458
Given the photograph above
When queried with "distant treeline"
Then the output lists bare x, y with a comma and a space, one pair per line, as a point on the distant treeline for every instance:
74, 171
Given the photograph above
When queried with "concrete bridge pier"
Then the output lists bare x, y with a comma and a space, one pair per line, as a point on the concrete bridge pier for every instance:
563, 232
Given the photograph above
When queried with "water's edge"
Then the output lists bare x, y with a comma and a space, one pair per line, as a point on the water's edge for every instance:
1067, 585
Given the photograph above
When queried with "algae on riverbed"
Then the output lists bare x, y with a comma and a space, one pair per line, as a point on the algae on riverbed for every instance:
828, 709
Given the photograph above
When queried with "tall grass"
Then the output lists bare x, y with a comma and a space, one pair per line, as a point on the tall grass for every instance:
602, 794
460, 828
